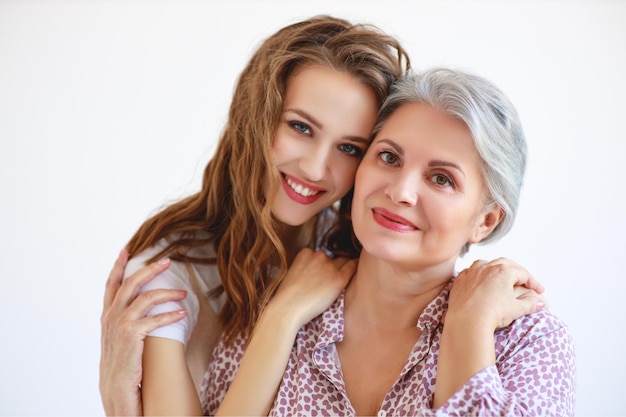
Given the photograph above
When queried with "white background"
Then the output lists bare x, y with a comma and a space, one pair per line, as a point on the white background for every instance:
109, 109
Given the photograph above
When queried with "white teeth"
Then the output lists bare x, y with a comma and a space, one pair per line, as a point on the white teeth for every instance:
298, 188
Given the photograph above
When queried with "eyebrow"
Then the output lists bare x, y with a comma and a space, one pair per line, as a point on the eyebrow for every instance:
364, 141
307, 116
433, 163
394, 145
438, 163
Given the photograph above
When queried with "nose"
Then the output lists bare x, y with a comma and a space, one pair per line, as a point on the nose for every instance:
402, 190
315, 162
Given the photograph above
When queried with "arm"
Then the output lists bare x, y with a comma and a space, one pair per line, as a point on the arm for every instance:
167, 387
483, 299
124, 328
534, 374
312, 283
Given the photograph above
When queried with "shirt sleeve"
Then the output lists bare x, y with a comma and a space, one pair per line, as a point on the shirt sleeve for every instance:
180, 330
534, 374
175, 277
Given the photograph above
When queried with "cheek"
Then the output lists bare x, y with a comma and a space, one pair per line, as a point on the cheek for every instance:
283, 146
360, 182
452, 219
277, 150
343, 173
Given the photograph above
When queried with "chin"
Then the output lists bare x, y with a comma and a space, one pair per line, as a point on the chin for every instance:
389, 253
292, 221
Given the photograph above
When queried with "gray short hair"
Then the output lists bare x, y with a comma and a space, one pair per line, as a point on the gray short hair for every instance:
493, 123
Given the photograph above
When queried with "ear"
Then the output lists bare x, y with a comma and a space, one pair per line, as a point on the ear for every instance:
486, 222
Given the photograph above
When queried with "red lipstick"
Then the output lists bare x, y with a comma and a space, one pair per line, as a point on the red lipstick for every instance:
300, 191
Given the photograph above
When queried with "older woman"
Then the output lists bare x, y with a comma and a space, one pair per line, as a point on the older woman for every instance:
444, 171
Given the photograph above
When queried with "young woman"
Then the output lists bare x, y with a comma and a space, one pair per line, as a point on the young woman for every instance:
444, 171
298, 125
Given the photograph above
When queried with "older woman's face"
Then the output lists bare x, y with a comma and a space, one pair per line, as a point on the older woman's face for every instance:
419, 190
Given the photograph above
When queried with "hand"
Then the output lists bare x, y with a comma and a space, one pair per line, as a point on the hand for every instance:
494, 294
124, 328
312, 283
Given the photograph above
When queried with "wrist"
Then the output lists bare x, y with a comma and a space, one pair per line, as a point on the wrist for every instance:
477, 322
288, 316
281, 316
469, 334
124, 402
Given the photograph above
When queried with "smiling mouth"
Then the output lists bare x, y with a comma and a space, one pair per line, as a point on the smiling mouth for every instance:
391, 221
299, 189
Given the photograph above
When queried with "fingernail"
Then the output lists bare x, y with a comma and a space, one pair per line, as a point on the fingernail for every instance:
164, 261
540, 305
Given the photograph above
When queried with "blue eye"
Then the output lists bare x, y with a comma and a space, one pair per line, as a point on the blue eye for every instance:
300, 127
351, 149
388, 158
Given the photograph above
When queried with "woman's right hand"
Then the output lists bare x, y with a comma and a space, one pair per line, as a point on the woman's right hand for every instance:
312, 283
124, 327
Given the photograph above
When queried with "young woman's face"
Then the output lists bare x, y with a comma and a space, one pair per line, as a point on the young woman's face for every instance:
323, 134
419, 192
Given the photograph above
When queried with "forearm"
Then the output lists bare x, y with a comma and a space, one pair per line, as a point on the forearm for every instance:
167, 387
466, 349
123, 402
256, 382
534, 374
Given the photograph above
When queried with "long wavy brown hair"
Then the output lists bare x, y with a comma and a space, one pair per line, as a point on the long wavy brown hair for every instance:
232, 210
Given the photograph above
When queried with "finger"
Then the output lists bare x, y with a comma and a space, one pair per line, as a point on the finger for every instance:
114, 281
503, 261
131, 285
515, 273
525, 278
304, 253
541, 301
530, 303
147, 300
340, 261
348, 268
478, 263
522, 307
534, 284
520, 291
151, 323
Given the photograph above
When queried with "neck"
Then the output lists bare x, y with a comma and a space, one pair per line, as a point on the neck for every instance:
386, 296
294, 238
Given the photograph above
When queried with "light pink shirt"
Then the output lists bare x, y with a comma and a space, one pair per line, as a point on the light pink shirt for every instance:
534, 372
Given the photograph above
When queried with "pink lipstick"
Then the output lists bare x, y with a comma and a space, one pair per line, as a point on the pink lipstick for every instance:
392, 221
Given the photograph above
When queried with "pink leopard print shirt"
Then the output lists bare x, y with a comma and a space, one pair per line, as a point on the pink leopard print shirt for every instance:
534, 372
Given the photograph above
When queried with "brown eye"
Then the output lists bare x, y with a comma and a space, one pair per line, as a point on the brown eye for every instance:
441, 180
388, 158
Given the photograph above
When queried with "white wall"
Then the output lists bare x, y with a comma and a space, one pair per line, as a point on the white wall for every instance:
110, 108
